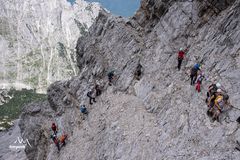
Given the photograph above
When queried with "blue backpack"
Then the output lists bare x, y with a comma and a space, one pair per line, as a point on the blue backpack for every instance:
197, 66
83, 109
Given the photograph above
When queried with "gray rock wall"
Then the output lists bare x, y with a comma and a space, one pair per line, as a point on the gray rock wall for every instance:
159, 116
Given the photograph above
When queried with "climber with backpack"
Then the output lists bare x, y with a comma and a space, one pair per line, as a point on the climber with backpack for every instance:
83, 109
110, 77
181, 54
214, 106
199, 80
62, 139
98, 89
194, 72
212, 89
138, 72
54, 128
56, 141
210, 102
91, 95
220, 104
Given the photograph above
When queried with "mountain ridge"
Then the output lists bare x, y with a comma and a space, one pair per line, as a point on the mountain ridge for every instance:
160, 115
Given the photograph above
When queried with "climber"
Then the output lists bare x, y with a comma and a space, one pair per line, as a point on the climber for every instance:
54, 128
181, 54
220, 103
91, 95
110, 77
194, 72
212, 89
83, 109
62, 139
210, 103
199, 80
98, 89
138, 72
56, 141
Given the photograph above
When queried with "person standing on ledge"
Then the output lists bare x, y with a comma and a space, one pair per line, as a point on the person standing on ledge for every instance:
181, 54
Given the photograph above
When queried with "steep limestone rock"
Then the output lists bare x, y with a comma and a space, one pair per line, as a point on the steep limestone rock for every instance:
36, 130
102, 59
151, 11
159, 116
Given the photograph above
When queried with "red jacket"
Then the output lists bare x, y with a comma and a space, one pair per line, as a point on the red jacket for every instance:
181, 54
54, 127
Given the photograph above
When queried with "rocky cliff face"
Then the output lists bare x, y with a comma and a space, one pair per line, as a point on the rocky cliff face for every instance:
159, 116
38, 40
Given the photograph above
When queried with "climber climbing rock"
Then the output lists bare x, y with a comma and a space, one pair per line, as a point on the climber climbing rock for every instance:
83, 109
56, 141
211, 102
98, 89
212, 89
59, 142
62, 139
194, 73
138, 72
181, 54
199, 80
110, 77
91, 94
54, 128
219, 105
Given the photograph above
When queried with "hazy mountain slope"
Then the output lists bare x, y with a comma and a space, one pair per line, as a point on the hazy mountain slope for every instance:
38, 39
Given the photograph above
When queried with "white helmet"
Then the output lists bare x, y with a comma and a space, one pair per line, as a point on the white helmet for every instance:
218, 85
181, 49
219, 90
